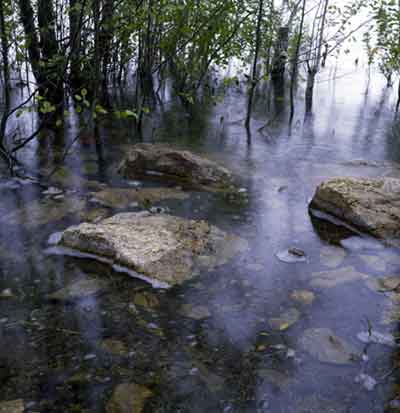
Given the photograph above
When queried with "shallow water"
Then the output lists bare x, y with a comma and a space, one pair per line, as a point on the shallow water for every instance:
231, 340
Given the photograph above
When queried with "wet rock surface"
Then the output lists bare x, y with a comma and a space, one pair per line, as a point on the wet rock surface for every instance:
161, 247
163, 161
370, 205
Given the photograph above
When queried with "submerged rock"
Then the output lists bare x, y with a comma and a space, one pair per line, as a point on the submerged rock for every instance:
78, 290
326, 347
370, 205
125, 197
377, 338
162, 161
373, 262
12, 406
38, 213
366, 381
304, 297
162, 249
332, 256
128, 398
115, 347
197, 312
285, 320
329, 279
146, 299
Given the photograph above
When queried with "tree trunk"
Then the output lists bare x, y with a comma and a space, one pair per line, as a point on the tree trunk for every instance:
253, 79
280, 55
310, 89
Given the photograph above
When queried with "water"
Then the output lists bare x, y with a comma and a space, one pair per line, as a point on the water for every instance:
245, 353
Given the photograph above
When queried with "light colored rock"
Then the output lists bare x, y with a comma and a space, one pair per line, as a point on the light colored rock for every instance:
329, 279
332, 256
366, 381
162, 161
6, 293
285, 320
326, 347
125, 197
162, 248
304, 297
79, 289
12, 406
128, 398
377, 338
384, 284
370, 205
373, 262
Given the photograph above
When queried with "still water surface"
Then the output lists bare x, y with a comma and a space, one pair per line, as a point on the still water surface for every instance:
256, 335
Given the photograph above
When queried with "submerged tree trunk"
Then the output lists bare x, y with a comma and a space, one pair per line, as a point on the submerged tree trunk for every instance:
253, 79
296, 61
310, 89
6, 79
280, 55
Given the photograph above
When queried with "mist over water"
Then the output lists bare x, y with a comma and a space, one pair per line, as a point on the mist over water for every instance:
257, 342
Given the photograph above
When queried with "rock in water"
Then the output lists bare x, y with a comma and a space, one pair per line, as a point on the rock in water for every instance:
13, 406
370, 205
177, 165
325, 346
162, 248
128, 398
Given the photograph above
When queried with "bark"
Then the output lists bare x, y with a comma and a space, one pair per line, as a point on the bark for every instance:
296, 61
280, 55
254, 69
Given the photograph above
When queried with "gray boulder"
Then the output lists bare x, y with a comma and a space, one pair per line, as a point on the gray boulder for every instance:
162, 161
369, 205
160, 248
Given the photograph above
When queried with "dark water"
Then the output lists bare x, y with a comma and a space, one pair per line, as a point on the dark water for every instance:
56, 356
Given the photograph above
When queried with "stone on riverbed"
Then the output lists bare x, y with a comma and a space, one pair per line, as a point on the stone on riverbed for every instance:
124, 197
79, 289
128, 398
162, 249
369, 205
13, 406
325, 346
162, 161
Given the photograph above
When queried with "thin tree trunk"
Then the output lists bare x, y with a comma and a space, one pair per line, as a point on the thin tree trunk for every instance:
253, 79
296, 61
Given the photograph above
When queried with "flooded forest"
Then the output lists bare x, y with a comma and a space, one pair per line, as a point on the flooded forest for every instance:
199, 206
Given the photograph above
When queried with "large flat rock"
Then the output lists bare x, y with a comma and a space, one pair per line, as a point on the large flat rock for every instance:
159, 247
370, 205
162, 161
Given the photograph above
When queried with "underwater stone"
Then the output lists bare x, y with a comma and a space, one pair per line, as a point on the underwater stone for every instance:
12, 406
326, 347
128, 398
